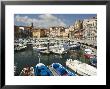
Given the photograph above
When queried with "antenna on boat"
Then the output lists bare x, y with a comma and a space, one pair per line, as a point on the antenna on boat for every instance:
39, 57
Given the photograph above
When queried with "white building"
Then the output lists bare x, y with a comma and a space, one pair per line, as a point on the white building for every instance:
90, 29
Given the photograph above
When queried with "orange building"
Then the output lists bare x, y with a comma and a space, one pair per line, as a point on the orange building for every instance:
38, 33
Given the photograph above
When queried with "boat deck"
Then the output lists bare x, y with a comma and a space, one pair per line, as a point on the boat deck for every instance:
53, 71
81, 68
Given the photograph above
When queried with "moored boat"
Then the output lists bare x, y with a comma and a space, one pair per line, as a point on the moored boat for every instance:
45, 52
58, 49
53, 71
28, 71
39, 48
88, 51
81, 68
41, 70
88, 56
62, 71
19, 47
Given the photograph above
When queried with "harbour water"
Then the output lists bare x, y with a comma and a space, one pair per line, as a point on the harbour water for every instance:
30, 57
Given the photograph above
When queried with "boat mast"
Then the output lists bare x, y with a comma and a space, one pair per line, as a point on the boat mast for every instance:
48, 44
39, 57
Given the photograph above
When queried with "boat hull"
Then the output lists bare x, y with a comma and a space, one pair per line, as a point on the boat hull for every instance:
62, 71
41, 70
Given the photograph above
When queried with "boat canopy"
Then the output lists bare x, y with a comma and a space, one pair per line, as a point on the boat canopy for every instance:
88, 50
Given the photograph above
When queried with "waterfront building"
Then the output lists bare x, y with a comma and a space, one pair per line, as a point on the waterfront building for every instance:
22, 32
38, 33
35, 33
71, 31
65, 35
75, 31
47, 32
78, 25
78, 34
56, 31
85, 30
90, 35
90, 26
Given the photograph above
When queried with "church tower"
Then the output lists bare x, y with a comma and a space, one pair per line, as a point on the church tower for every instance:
32, 24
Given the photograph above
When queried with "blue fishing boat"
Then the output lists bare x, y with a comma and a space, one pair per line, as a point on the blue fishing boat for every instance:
41, 70
62, 71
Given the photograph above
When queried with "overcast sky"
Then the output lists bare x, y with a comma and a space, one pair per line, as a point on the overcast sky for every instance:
49, 20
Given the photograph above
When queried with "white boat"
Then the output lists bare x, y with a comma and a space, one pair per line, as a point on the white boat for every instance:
88, 51
58, 50
35, 47
39, 48
19, 46
81, 68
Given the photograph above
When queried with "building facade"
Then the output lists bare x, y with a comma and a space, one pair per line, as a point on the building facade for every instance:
78, 34
78, 25
38, 33
56, 31
90, 26
22, 32
71, 31
76, 31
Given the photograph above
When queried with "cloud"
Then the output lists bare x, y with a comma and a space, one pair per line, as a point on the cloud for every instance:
45, 20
